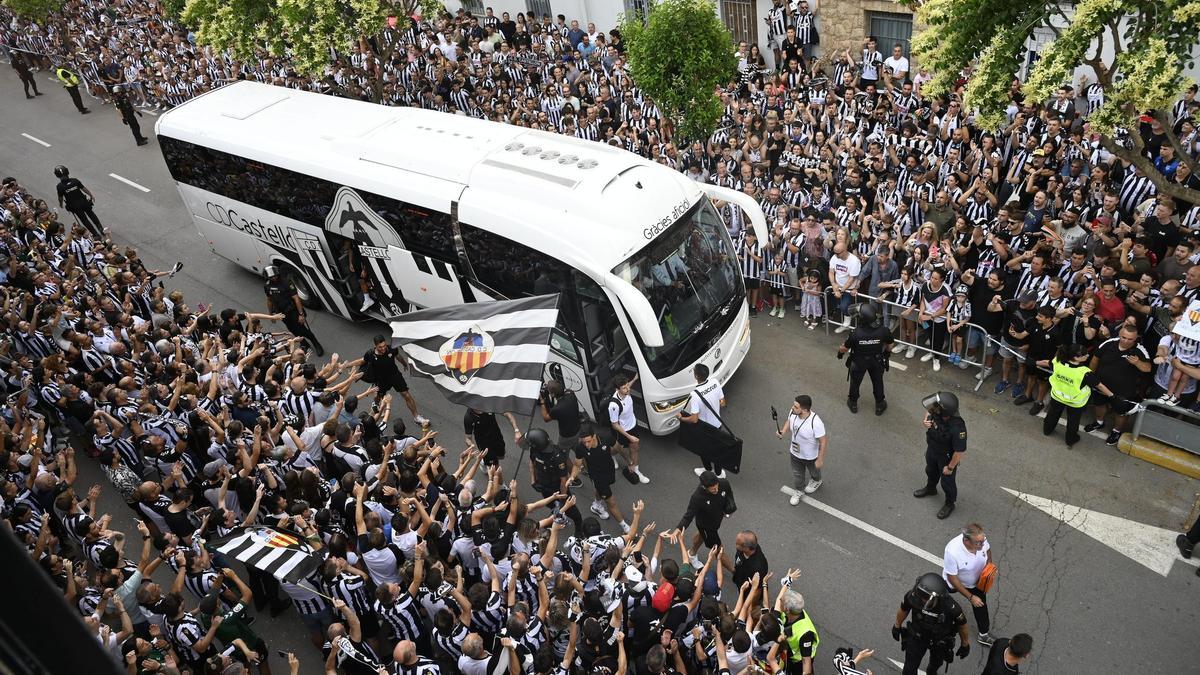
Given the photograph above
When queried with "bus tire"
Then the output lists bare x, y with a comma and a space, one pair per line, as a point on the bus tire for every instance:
307, 297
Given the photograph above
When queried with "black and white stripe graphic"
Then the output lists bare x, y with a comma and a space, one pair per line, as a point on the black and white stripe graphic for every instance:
251, 546
512, 376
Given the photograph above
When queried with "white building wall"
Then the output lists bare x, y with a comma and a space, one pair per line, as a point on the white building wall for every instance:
604, 13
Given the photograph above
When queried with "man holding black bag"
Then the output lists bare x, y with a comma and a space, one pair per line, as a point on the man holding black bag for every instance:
702, 430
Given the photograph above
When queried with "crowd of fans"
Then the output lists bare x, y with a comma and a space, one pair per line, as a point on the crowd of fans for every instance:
1010, 243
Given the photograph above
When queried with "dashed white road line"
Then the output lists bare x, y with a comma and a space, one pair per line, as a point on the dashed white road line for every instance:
866, 527
897, 365
37, 140
129, 182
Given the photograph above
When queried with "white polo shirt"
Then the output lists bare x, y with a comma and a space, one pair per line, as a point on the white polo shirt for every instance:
711, 391
963, 564
806, 435
623, 413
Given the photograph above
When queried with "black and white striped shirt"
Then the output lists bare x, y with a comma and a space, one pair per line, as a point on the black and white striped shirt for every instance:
451, 644
300, 405
490, 618
352, 590
1134, 190
185, 633
403, 616
1030, 282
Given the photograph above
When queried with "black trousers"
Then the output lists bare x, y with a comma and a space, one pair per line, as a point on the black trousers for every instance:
75, 98
867, 365
135, 128
982, 619
935, 462
87, 217
299, 328
27, 81
914, 653
1054, 410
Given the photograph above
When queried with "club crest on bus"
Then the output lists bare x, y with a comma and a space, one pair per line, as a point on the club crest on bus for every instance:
466, 353
273, 538
352, 218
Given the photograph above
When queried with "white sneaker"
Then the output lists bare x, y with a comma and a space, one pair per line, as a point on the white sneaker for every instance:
616, 465
795, 500
721, 474
782, 312
937, 365
842, 328
910, 352
984, 374
641, 476
598, 509
927, 357
624, 527
421, 420
812, 487
367, 302
699, 471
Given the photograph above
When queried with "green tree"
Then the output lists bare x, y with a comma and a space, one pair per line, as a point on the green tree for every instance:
1138, 49
34, 10
303, 30
680, 56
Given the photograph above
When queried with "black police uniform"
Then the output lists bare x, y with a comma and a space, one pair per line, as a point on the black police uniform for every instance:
280, 299
946, 437
550, 466
868, 345
70, 191
129, 116
930, 632
482, 426
22, 67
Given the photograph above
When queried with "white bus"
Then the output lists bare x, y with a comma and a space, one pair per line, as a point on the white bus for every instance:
373, 211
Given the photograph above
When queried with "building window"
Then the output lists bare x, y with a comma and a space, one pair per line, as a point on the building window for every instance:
889, 29
741, 19
637, 8
537, 8
473, 7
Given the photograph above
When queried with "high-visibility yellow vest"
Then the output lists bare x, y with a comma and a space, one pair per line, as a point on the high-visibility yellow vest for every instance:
67, 78
796, 630
1066, 384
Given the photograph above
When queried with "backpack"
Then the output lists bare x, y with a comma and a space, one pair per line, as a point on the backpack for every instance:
663, 597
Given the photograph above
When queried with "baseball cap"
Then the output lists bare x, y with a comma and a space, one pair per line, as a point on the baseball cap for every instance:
1027, 297
1039, 153
708, 479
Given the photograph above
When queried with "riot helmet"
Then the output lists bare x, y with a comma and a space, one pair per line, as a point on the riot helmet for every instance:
942, 403
271, 271
61, 171
928, 591
538, 439
866, 315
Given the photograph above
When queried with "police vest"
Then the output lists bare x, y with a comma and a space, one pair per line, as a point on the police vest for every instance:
67, 78
796, 630
1066, 384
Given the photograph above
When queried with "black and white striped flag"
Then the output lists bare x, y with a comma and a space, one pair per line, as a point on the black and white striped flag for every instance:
488, 356
280, 553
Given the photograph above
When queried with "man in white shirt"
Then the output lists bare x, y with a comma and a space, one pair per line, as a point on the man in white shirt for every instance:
843, 279
963, 562
807, 442
703, 407
896, 64
625, 430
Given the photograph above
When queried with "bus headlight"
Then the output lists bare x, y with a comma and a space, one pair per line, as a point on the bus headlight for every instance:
669, 406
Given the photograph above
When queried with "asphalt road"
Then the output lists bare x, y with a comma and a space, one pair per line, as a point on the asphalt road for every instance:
1105, 601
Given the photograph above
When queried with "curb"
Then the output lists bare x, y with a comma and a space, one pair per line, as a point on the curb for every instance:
1161, 454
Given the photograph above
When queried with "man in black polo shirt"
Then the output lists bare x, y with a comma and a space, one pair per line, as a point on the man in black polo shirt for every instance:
1014, 337
1121, 362
379, 368
562, 406
1044, 338
1008, 654
987, 310
748, 559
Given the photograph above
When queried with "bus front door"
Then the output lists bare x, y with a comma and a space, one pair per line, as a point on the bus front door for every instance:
565, 366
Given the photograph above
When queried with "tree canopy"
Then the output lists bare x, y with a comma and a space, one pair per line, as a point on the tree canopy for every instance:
34, 10
1138, 50
680, 56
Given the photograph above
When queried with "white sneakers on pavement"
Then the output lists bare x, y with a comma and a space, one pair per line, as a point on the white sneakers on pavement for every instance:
599, 509
926, 357
910, 352
641, 476
421, 420
795, 500
624, 527
937, 365
812, 487
842, 328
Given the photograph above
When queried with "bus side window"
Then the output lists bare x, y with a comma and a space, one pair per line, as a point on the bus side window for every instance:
423, 230
512, 269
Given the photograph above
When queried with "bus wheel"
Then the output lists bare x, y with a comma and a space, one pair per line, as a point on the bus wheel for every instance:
302, 288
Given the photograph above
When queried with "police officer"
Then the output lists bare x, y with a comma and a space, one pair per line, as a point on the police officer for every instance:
562, 406
936, 617
129, 114
20, 65
550, 469
283, 299
70, 82
869, 346
945, 443
1071, 384
77, 199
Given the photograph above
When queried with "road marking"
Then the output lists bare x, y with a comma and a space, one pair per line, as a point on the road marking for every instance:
37, 140
150, 112
897, 365
1153, 547
900, 665
129, 182
864, 526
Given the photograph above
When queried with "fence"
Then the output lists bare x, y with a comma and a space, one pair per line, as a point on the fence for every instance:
1172, 425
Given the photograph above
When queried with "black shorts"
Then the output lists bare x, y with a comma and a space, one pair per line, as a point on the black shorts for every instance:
753, 283
396, 382
1119, 405
711, 538
603, 486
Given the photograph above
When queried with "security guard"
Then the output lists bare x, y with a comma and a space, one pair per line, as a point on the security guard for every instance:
129, 114
936, 617
798, 631
283, 299
70, 82
1071, 384
869, 346
74, 196
945, 443
550, 469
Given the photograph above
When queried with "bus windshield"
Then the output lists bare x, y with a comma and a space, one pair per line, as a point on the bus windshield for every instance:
689, 274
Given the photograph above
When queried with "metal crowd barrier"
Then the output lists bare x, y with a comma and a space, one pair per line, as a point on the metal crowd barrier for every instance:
1172, 425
